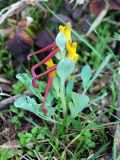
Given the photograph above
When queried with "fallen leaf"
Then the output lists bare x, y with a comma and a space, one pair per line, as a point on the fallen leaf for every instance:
19, 43
96, 6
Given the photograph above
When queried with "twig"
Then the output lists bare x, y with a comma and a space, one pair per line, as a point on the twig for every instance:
16, 7
3, 94
2, 80
10, 145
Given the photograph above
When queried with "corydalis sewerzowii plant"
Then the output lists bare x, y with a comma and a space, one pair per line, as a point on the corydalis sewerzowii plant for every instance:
69, 47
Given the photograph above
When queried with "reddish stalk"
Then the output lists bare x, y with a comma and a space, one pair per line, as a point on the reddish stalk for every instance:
51, 46
54, 49
49, 83
41, 75
43, 61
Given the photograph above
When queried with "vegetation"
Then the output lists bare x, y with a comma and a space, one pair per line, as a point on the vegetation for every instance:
59, 80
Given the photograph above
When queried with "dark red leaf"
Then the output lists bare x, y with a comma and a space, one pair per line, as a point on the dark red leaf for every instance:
19, 43
97, 6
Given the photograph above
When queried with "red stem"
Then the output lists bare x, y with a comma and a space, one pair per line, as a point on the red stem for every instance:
43, 61
41, 75
51, 46
49, 83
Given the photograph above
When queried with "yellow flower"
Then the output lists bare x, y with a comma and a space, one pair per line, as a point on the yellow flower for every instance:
49, 65
66, 30
71, 50
70, 47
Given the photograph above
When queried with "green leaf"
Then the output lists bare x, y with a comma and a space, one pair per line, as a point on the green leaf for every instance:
86, 74
21, 114
101, 97
73, 111
19, 151
14, 110
56, 85
22, 140
70, 86
30, 153
18, 87
102, 149
28, 135
117, 36
101, 67
34, 130
6, 154
15, 120
50, 98
26, 79
80, 102
27, 140
29, 104
65, 67
10, 154
61, 41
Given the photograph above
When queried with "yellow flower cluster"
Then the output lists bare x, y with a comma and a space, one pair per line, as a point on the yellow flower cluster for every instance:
71, 51
66, 30
71, 47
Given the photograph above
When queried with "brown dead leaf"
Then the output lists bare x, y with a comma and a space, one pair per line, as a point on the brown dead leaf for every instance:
96, 6
19, 43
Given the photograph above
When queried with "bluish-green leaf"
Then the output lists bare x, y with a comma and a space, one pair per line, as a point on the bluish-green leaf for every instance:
56, 83
26, 79
80, 102
74, 112
31, 105
65, 67
70, 86
86, 74
100, 68
61, 41
27, 103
